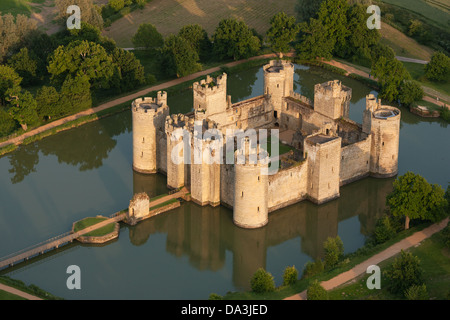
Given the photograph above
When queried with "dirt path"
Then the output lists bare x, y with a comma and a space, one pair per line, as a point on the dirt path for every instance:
437, 95
19, 139
18, 292
361, 268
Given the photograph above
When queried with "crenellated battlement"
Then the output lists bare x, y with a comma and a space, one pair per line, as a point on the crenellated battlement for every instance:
192, 149
248, 155
211, 85
150, 105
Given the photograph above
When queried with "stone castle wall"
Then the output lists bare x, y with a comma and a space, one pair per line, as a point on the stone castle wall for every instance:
281, 190
355, 161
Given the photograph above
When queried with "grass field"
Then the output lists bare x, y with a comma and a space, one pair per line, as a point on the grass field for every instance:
83, 224
170, 15
18, 6
433, 10
435, 262
9, 296
403, 45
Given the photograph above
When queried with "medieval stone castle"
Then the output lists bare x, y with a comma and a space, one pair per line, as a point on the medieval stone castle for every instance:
329, 149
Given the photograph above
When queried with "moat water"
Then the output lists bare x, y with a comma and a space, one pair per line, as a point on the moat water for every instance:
191, 251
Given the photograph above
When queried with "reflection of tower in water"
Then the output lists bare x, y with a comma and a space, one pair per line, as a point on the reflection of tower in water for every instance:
152, 184
205, 233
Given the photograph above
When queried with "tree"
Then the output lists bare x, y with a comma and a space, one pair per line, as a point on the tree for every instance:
414, 198
384, 229
381, 50
307, 9
262, 281
128, 72
90, 12
147, 37
75, 94
314, 41
25, 65
198, 39
438, 69
391, 74
13, 32
22, 107
81, 58
334, 251
283, 30
313, 268
404, 273
316, 292
48, 103
410, 91
290, 276
233, 39
333, 15
9, 79
116, 5
178, 58
360, 38
7, 123
416, 292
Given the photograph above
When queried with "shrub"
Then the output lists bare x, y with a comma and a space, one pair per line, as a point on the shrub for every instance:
262, 281
404, 273
290, 276
383, 230
417, 293
334, 251
215, 296
140, 3
316, 292
116, 5
313, 268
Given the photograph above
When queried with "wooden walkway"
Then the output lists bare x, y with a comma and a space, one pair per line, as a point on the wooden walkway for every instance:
54, 243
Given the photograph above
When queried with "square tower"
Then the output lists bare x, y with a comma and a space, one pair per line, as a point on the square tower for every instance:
210, 95
324, 156
332, 99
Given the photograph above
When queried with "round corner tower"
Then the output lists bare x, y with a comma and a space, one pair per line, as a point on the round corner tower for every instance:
385, 131
148, 116
251, 187
278, 82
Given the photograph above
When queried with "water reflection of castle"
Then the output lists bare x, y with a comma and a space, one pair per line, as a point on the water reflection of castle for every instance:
205, 233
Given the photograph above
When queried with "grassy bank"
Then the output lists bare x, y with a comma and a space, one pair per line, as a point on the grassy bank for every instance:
88, 222
349, 261
434, 260
31, 289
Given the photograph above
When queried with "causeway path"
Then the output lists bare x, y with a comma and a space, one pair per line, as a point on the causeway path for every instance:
18, 292
361, 268
19, 139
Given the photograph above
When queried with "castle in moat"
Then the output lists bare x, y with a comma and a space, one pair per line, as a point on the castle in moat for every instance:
329, 149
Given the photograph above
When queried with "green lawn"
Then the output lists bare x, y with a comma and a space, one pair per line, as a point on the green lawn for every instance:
435, 262
436, 14
417, 71
80, 225
17, 6
9, 296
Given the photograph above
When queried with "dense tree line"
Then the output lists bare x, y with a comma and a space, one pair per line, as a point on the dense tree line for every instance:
46, 77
